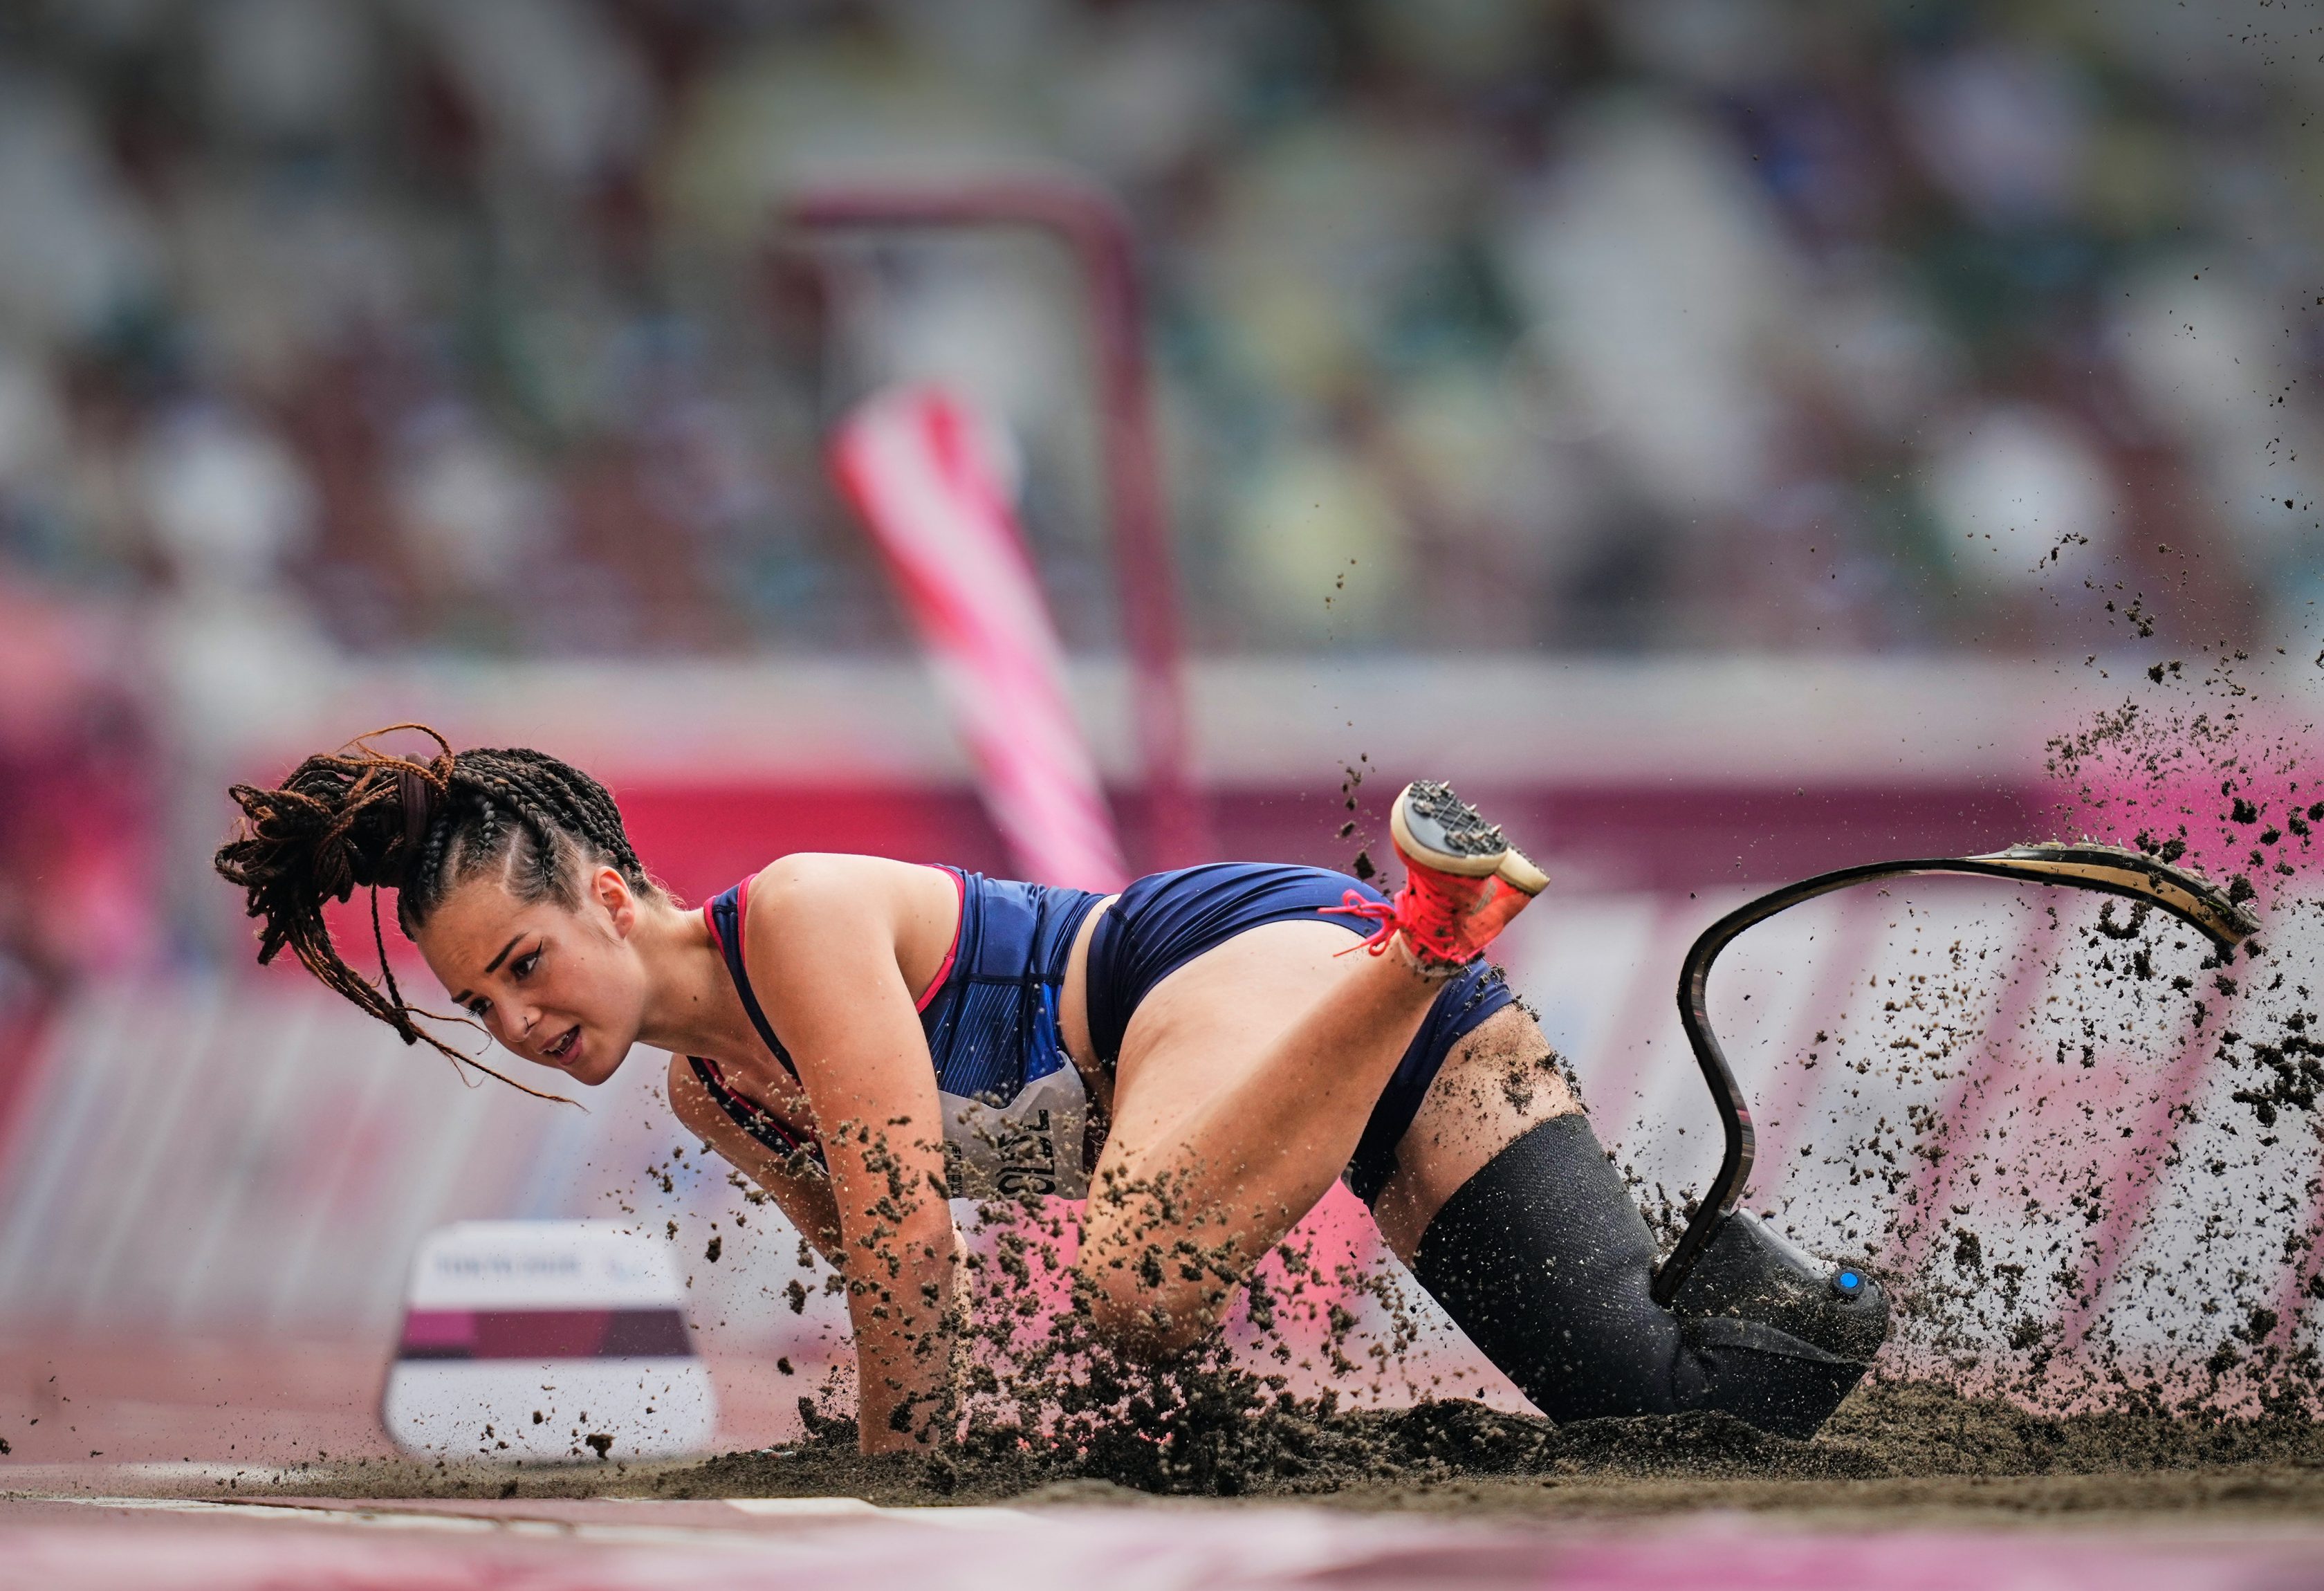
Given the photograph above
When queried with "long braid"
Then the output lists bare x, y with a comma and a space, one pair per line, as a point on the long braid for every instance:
361, 818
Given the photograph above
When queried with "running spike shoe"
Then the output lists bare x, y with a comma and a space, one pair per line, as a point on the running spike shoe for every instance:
1463, 881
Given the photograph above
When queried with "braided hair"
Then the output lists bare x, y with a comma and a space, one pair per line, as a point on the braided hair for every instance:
363, 819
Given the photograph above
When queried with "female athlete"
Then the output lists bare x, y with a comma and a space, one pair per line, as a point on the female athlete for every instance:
1198, 1056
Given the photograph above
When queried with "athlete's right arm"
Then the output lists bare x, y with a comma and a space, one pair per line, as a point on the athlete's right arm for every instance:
830, 939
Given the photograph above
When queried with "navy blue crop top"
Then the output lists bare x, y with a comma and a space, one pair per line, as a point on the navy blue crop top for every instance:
1014, 1108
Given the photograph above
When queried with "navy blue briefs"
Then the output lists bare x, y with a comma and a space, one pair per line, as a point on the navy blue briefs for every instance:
1166, 920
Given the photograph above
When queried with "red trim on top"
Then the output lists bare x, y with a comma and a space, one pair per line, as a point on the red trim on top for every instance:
743, 922
960, 913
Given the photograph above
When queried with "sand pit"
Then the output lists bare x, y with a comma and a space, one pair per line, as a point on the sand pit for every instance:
1897, 1454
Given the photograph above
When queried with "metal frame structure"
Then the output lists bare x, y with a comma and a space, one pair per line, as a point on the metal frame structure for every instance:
2105, 869
1095, 231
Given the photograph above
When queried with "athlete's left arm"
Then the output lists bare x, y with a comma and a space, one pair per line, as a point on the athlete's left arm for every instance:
802, 1193
830, 939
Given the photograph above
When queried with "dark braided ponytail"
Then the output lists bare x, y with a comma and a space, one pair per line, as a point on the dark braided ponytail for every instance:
363, 819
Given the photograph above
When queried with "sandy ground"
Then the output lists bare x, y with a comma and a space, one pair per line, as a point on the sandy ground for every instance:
2196, 1498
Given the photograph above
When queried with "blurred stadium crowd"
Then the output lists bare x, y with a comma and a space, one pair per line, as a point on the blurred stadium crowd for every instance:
351, 327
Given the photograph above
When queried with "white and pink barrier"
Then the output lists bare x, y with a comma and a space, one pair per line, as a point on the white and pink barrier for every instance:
547, 1339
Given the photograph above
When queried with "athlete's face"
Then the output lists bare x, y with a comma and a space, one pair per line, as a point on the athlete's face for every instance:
562, 987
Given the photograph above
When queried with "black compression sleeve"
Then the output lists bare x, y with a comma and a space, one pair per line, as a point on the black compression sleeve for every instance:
1545, 1261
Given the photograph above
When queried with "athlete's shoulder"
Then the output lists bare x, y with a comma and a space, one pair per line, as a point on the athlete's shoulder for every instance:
830, 886
795, 872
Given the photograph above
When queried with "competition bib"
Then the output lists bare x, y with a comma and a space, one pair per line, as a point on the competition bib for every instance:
1031, 1144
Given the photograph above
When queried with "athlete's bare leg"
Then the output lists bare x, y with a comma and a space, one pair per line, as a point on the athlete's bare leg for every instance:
1244, 1081
1498, 1083
1247, 1076
1229, 1124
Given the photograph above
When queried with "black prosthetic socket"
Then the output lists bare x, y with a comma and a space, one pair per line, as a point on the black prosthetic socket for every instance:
1545, 1261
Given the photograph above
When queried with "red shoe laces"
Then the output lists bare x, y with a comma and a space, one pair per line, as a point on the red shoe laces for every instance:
1431, 915
1429, 921
1383, 913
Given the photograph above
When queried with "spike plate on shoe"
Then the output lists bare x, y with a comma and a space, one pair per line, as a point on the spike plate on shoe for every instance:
1438, 830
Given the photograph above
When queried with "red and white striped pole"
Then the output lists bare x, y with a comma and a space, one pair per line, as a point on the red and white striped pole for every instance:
1097, 233
923, 470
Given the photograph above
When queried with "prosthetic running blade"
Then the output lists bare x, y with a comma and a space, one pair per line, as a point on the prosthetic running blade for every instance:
2133, 875
1756, 1275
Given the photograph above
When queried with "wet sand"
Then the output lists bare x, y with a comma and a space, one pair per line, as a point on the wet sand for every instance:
1895, 1456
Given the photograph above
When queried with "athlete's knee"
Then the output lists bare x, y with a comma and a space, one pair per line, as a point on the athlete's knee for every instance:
1545, 1261
1149, 1300
1149, 1289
